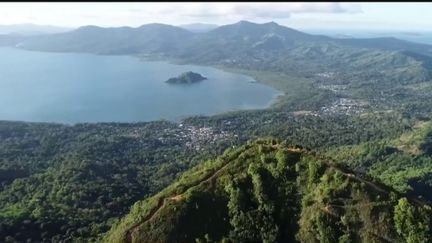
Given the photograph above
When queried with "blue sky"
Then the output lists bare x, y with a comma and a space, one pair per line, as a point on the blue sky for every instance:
353, 16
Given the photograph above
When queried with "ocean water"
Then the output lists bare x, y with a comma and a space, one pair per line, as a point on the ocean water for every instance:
74, 87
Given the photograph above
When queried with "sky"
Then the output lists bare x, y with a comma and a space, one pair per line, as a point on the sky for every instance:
319, 15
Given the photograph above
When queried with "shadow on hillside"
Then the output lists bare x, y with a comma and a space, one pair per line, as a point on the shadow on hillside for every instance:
422, 187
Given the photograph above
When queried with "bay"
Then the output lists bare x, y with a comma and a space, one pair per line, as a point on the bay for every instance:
75, 87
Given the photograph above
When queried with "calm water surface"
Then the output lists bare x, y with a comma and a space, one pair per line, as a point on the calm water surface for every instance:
70, 88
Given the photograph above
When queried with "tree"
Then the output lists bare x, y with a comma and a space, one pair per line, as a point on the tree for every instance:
413, 224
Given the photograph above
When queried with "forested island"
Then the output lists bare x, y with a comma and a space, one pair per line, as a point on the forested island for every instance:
186, 78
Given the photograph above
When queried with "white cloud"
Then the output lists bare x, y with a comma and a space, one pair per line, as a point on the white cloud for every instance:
254, 10
284, 10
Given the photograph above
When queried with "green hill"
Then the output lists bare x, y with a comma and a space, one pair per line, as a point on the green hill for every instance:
405, 162
70, 183
266, 191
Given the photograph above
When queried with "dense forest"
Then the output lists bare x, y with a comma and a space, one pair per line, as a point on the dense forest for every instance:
347, 159
267, 191
73, 182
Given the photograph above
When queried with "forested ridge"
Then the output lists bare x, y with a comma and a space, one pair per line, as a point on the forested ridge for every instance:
267, 191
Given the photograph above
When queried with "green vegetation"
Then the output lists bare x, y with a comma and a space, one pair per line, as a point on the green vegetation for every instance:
363, 103
403, 163
266, 191
186, 78
413, 223
72, 182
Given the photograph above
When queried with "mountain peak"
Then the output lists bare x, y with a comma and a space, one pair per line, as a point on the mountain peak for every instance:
259, 184
245, 22
253, 32
272, 23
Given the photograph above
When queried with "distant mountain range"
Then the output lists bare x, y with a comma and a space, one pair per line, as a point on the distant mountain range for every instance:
171, 40
31, 29
121, 40
247, 45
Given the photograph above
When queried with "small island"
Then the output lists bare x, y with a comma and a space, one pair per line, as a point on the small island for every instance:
186, 78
